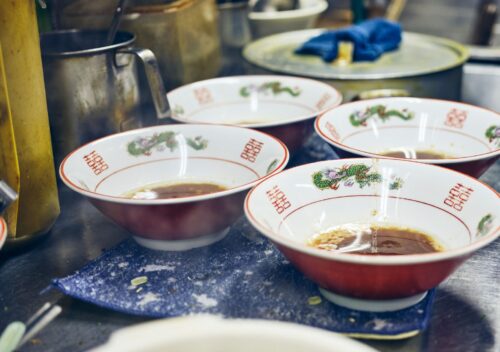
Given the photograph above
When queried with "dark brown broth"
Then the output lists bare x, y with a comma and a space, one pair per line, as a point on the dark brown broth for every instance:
178, 190
416, 154
375, 240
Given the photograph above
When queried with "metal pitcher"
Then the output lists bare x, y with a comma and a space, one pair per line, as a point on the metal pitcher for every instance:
93, 88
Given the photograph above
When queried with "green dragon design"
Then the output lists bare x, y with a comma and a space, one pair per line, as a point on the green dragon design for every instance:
359, 118
271, 166
274, 87
177, 110
485, 225
493, 135
162, 141
349, 175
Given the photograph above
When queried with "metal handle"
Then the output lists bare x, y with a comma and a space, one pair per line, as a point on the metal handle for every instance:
381, 93
148, 59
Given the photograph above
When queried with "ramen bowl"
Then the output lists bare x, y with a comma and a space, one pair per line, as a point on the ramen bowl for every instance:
459, 136
453, 209
138, 163
282, 106
214, 334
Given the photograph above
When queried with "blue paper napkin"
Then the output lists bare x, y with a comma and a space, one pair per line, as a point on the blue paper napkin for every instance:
242, 276
371, 39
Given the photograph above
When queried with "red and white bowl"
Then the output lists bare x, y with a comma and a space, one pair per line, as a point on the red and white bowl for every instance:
3, 232
467, 135
234, 157
282, 106
458, 211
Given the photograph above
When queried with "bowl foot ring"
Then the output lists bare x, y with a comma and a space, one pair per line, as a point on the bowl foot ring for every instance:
367, 305
182, 245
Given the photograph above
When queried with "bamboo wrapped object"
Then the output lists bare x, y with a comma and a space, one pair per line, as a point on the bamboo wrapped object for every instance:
26, 160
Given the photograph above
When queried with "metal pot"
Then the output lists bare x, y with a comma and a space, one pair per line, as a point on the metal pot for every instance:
182, 33
423, 66
482, 77
92, 88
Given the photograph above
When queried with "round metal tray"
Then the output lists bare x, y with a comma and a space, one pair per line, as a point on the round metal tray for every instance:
418, 54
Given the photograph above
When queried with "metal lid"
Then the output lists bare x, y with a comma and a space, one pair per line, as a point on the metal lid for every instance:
418, 54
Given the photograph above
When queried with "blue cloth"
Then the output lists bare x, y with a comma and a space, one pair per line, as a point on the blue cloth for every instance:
371, 39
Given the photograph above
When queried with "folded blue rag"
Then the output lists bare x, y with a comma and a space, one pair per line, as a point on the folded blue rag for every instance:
371, 39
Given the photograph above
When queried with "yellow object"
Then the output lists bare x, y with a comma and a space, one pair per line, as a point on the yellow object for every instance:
26, 161
345, 54
404, 335
9, 165
314, 300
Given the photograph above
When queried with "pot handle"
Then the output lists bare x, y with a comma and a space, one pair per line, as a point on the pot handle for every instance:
148, 59
380, 93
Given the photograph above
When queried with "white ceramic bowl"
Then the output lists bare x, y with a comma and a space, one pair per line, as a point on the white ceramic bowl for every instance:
213, 334
3, 232
468, 135
282, 106
266, 23
234, 157
458, 211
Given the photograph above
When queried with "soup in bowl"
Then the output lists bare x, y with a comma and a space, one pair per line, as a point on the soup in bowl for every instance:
451, 134
174, 187
375, 234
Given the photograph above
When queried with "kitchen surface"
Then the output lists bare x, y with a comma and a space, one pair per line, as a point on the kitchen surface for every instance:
185, 165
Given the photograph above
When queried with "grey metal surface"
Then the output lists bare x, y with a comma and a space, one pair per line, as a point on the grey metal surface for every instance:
449, 18
481, 85
92, 88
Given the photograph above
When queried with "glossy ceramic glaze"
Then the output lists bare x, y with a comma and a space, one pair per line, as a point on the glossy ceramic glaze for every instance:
282, 106
214, 334
458, 211
234, 157
468, 135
